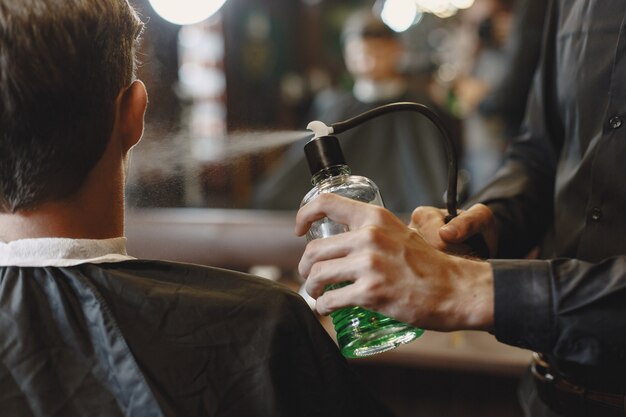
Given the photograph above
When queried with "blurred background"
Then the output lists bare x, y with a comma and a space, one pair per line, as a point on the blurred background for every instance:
220, 171
229, 93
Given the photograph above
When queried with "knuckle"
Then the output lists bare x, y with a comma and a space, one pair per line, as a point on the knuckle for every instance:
302, 269
438, 244
481, 210
373, 261
381, 215
480, 207
321, 203
316, 269
326, 303
324, 198
315, 250
419, 213
418, 218
371, 286
370, 234
311, 289
427, 213
370, 294
314, 288
304, 266
310, 251
487, 213
427, 218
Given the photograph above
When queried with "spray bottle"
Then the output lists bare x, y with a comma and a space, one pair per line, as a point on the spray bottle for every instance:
361, 332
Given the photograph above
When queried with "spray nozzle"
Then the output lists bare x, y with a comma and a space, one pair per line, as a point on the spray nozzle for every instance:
322, 151
319, 129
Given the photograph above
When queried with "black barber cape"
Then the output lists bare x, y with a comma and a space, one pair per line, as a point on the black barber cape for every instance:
144, 338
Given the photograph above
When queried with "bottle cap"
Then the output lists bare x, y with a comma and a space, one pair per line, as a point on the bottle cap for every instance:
322, 153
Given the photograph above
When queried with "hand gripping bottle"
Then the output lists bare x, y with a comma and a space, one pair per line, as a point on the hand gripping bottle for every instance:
360, 332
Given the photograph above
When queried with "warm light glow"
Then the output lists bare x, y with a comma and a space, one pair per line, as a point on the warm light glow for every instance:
186, 12
462, 4
400, 15
434, 6
443, 8
444, 13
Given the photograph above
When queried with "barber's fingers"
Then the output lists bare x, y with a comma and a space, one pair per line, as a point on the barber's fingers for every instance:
361, 290
339, 246
332, 247
342, 210
335, 299
427, 221
467, 223
425, 215
332, 271
478, 219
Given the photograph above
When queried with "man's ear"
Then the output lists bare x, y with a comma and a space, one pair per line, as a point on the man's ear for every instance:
132, 103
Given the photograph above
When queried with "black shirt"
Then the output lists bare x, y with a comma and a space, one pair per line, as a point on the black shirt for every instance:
564, 184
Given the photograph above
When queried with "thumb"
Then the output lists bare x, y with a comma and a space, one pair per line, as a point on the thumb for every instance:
468, 223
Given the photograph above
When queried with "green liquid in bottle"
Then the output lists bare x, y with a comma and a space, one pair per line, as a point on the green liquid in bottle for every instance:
361, 332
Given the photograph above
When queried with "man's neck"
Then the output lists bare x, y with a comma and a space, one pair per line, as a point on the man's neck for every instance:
96, 211
369, 90
64, 219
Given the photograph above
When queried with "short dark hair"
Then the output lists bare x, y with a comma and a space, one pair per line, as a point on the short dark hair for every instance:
364, 23
62, 65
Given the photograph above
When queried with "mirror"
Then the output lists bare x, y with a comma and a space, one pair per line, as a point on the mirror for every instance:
230, 96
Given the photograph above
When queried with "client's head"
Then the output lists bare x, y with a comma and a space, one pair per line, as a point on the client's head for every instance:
371, 49
65, 68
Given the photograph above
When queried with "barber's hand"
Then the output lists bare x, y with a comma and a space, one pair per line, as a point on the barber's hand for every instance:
393, 270
478, 219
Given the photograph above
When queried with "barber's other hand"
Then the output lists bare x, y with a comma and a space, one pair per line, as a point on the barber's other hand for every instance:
393, 270
478, 219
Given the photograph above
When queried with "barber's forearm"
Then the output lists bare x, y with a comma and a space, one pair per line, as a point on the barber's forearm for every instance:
466, 300
475, 298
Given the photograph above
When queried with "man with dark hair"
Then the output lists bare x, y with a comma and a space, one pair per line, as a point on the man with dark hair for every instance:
68, 81
86, 329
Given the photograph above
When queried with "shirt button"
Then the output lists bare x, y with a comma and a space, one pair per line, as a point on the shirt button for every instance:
615, 122
596, 214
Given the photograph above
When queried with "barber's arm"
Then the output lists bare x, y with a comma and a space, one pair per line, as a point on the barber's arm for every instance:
566, 307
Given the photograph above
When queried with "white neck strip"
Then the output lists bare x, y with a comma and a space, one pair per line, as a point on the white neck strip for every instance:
369, 91
62, 252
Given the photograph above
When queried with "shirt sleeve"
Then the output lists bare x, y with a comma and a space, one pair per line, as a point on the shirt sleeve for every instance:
566, 308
